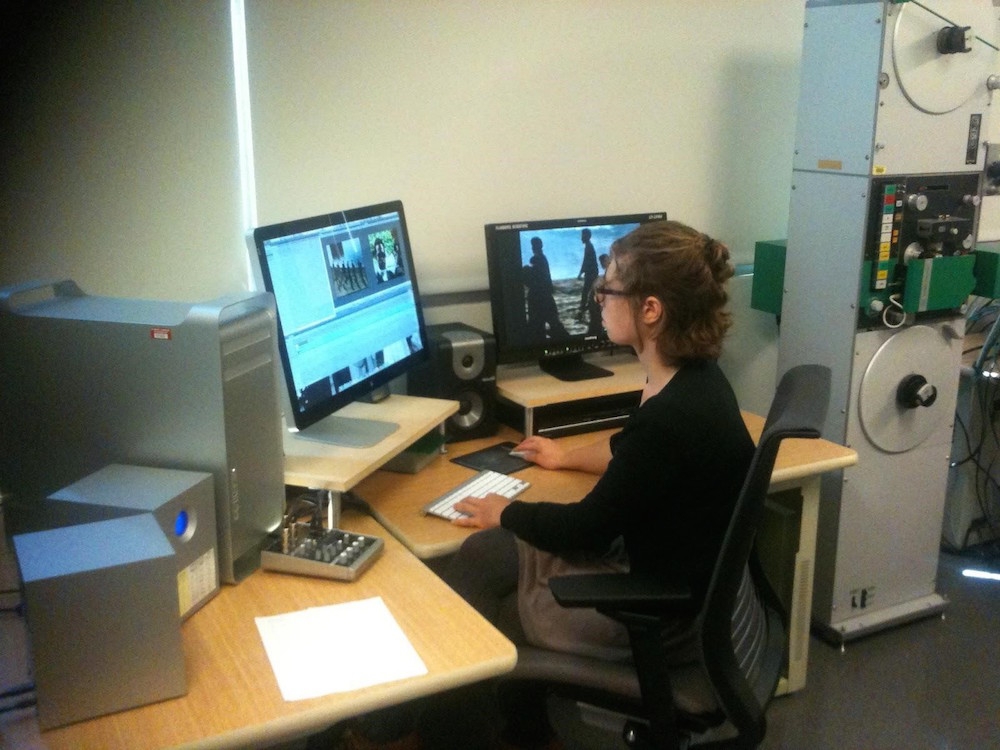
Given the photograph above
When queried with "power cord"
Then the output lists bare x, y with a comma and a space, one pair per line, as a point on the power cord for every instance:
895, 307
985, 484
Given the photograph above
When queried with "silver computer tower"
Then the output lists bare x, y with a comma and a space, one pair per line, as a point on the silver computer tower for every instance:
183, 504
88, 381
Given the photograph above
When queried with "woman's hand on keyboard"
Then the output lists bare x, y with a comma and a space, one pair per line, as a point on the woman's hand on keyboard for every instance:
481, 512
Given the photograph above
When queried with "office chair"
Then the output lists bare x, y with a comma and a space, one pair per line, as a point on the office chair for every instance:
740, 628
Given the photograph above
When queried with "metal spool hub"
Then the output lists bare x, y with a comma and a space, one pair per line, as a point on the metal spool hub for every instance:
936, 80
898, 395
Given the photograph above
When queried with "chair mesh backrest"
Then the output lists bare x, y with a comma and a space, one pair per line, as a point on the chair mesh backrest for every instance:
749, 628
743, 621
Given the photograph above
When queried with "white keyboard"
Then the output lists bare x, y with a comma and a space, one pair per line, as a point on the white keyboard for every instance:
479, 485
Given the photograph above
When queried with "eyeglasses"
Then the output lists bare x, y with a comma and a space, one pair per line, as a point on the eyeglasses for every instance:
601, 291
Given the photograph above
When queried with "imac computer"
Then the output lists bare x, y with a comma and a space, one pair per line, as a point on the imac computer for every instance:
349, 315
541, 275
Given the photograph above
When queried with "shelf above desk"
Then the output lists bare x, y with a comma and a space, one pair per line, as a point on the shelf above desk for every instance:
528, 386
539, 394
323, 466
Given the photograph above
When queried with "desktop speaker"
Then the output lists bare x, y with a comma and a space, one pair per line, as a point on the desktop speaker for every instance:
462, 367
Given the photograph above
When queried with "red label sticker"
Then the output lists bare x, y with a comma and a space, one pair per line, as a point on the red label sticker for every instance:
161, 334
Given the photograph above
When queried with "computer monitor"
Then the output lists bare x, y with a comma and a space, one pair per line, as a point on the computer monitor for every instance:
541, 274
349, 315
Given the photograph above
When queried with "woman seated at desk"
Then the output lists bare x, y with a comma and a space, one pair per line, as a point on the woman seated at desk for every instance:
667, 482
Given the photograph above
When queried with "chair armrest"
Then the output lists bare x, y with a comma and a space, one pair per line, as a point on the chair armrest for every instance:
620, 592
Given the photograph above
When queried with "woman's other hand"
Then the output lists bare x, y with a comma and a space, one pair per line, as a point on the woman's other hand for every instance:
545, 452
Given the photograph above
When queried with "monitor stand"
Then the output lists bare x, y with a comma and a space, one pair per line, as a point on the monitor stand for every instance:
348, 432
572, 367
353, 432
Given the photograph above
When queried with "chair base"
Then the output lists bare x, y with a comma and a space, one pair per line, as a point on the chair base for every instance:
584, 726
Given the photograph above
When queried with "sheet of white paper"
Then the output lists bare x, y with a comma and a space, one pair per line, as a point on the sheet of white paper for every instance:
334, 649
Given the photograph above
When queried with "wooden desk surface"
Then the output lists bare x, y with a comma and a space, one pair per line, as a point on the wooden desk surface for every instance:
799, 458
233, 698
396, 499
330, 467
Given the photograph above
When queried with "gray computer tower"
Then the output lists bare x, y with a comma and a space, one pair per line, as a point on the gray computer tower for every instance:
87, 381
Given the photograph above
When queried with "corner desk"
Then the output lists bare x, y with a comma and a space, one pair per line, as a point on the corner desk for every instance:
233, 699
395, 500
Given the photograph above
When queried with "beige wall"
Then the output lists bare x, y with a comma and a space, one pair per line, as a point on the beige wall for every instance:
487, 111
121, 166
119, 149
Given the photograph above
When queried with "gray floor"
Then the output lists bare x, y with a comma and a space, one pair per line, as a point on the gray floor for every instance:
933, 684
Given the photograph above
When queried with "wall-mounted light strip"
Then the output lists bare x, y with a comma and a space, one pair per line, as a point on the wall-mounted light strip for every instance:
241, 71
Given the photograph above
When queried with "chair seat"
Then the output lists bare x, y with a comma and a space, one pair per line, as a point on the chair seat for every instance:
692, 691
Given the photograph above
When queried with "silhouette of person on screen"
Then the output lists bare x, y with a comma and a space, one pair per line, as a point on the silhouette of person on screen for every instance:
542, 309
595, 325
588, 272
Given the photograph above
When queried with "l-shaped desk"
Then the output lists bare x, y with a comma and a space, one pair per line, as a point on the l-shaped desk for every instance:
233, 699
395, 500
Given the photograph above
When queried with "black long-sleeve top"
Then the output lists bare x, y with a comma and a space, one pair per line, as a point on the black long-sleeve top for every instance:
669, 489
